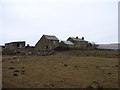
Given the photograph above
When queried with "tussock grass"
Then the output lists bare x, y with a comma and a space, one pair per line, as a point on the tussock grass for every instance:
69, 69
94, 53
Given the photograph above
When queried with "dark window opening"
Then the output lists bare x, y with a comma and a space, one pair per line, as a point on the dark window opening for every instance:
46, 47
18, 45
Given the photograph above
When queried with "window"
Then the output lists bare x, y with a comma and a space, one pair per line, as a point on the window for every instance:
18, 45
46, 47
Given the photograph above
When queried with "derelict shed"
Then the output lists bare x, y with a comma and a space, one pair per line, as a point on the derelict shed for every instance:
67, 44
15, 45
47, 42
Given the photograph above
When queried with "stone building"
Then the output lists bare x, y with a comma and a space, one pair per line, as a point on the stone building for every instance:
15, 45
47, 42
79, 42
67, 44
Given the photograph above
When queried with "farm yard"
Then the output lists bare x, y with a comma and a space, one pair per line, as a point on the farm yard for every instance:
66, 69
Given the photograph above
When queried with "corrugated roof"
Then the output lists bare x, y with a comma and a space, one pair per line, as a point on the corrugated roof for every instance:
16, 42
68, 42
50, 37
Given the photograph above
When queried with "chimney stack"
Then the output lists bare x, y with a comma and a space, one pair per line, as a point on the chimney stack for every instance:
82, 38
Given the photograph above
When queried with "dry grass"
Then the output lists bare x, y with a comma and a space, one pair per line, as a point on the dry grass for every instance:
61, 70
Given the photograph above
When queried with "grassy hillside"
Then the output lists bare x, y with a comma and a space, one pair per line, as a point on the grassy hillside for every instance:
70, 69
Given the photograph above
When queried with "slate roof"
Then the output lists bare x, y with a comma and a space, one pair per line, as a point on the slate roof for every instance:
51, 37
78, 39
68, 42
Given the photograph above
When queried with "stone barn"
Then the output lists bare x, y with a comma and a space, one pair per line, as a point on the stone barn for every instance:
66, 44
47, 42
79, 42
15, 45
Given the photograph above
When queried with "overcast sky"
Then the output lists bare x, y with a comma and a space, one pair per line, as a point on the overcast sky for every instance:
96, 20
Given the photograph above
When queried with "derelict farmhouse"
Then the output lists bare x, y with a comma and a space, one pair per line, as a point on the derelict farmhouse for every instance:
51, 42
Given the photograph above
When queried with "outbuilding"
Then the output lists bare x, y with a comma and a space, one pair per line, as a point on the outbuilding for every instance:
67, 44
15, 45
47, 42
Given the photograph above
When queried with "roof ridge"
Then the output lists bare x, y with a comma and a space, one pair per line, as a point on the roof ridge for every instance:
75, 38
50, 35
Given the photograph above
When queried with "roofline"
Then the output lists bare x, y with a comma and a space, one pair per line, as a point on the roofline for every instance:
78, 38
52, 36
66, 41
48, 35
16, 42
